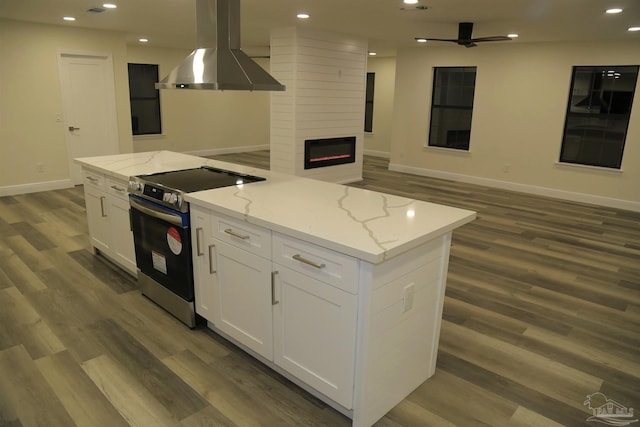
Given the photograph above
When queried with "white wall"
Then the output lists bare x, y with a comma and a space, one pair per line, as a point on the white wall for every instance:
519, 110
31, 100
203, 122
378, 142
200, 122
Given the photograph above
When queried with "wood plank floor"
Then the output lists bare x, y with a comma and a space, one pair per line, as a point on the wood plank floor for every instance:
542, 309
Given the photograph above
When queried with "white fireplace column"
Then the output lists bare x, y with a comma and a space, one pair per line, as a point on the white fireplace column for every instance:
325, 76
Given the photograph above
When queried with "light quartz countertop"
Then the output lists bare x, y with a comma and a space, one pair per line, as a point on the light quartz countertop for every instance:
367, 225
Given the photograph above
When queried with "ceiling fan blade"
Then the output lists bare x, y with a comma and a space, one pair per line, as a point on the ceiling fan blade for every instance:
464, 30
491, 39
436, 40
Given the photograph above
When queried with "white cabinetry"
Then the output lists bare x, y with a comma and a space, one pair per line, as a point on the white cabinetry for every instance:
291, 308
97, 211
360, 336
243, 298
204, 276
108, 217
315, 317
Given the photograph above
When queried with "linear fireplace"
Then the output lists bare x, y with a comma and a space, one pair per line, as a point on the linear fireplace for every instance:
329, 151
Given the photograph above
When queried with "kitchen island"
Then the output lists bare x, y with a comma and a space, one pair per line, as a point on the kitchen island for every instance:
339, 289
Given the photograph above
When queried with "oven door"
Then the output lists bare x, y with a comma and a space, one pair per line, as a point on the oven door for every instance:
163, 245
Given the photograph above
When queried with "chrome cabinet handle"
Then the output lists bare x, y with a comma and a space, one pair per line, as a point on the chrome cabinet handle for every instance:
198, 250
148, 209
274, 301
234, 234
211, 270
102, 206
118, 189
299, 257
92, 179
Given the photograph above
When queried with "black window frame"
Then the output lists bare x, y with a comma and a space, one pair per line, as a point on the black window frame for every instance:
460, 105
368, 101
597, 118
144, 99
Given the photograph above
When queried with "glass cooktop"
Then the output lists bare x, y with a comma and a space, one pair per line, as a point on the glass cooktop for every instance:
204, 178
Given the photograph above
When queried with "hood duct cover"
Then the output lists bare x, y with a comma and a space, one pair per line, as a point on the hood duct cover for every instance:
218, 63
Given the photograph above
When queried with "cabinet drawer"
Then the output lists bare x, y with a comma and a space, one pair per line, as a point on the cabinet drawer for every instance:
250, 237
93, 179
315, 261
117, 188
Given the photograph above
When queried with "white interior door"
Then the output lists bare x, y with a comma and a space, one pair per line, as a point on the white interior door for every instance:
88, 96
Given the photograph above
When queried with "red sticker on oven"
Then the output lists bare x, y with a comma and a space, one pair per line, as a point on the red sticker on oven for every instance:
174, 240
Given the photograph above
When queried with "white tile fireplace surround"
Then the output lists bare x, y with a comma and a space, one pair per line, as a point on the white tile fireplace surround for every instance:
324, 76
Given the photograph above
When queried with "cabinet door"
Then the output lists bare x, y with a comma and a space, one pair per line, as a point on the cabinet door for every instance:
122, 238
204, 277
315, 333
243, 297
97, 205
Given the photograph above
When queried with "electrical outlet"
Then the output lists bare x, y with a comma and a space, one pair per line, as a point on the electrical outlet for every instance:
40, 167
407, 297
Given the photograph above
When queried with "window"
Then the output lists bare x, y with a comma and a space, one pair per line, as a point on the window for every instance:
145, 99
598, 115
368, 104
452, 107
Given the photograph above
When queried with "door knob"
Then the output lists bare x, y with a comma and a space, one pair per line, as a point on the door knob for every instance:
71, 128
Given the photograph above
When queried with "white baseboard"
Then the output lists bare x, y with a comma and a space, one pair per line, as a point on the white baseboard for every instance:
230, 150
35, 187
523, 188
374, 153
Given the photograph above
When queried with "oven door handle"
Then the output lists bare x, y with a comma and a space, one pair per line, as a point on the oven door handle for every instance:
156, 213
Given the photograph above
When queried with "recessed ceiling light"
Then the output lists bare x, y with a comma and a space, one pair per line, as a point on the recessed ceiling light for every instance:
421, 40
634, 29
109, 6
410, 1
143, 40
614, 10
69, 18
303, 15
513, 36
372, 53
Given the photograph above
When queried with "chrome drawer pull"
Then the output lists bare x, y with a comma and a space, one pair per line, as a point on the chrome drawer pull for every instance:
274, 301
198, 251
102, 199
118, 189
234, 234
211, 270
298, 257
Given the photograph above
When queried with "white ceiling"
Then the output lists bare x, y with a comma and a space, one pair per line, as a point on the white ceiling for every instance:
171, 23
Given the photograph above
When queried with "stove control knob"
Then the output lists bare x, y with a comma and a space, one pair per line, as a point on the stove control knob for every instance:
172, 198
135, 186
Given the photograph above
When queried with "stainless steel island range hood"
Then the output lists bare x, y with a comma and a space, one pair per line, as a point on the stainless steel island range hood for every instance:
218, 63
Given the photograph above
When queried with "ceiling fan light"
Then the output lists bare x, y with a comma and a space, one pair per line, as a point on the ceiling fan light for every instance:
421, 40
513, 35
613, 10
633, 29
410, 1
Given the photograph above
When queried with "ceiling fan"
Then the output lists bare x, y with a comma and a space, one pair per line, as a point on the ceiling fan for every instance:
464, 37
